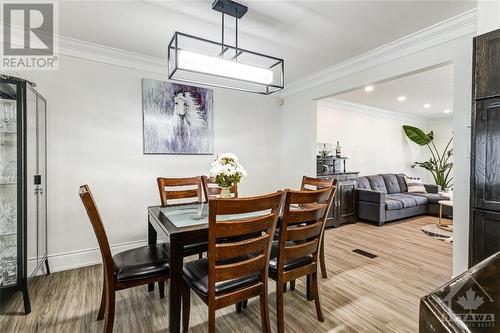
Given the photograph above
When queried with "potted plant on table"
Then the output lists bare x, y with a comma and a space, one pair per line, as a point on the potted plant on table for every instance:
227, 171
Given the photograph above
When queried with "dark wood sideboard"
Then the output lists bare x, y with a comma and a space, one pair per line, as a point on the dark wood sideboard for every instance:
468, 303
484, 228
344, 206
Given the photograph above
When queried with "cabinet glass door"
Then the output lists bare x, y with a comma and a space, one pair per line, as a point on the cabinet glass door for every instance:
31, 163
8, 184
41, 180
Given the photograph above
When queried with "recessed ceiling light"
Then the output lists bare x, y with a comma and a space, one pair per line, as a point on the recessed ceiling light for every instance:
427, 106
369, 88
447, 111
402, 98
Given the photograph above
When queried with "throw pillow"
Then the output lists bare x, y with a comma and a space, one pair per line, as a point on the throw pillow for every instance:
415, 185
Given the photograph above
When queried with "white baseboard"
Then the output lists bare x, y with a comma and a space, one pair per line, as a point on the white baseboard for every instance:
87, 257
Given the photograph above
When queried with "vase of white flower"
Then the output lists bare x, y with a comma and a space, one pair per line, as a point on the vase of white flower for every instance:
227, 171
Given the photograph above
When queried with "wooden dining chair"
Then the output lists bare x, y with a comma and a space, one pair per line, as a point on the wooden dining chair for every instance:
212, 190
131, 268
295, 254
175, 191
238, 256
310, 183
179, 190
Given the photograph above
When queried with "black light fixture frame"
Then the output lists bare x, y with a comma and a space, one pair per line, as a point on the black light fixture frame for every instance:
236, 10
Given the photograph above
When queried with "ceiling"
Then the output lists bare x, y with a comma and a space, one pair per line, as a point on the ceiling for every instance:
309, 35
433, 87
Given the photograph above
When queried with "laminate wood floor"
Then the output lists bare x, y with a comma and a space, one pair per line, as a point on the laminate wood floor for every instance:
360, 294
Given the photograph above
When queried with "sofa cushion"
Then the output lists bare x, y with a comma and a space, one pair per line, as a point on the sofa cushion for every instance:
419, 199
406, 200
415, 185
391, 204
364, 184
432, 198
377, 183
391, 183
402, 182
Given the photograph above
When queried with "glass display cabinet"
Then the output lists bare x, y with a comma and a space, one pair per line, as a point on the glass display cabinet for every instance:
23, 190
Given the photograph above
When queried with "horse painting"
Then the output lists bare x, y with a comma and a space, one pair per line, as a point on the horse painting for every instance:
177, 118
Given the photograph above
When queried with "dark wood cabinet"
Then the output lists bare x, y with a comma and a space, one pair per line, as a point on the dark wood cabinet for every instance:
344, 206
487, 65
486, 141
484, 227
485, 235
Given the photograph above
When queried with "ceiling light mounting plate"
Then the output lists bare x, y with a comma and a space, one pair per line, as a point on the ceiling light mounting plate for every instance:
230, 8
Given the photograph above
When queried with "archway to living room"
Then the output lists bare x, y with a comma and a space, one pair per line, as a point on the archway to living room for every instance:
393, 139
389, 145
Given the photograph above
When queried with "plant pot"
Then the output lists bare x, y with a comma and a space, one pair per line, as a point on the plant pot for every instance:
225, 192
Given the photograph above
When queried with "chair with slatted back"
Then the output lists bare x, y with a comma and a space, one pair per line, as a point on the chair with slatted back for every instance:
175, 191
239, 236
295, 254
310, 183
212, 190
131, 268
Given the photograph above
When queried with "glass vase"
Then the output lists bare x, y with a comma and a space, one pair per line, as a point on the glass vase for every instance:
225, 192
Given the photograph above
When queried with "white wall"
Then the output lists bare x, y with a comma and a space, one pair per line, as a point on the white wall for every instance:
299, 112
488, 13
95, 137
375, 142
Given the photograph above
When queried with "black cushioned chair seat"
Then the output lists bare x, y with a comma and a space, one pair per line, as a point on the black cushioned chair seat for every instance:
273, 262
196, 276
142, 262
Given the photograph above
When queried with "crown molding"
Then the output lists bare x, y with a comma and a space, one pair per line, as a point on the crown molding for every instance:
374, 111
118, 57
445, 31
96, 52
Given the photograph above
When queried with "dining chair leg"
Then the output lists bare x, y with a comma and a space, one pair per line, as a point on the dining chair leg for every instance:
309, 294
245, 304
238, 306
322, 258
200, 255
110, 311
161, 288
211, 320
102, 307
186, 307
292, 285
279, 307
264, 313
317, 302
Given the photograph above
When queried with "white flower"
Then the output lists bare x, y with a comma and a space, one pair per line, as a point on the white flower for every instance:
229, 156
227, 170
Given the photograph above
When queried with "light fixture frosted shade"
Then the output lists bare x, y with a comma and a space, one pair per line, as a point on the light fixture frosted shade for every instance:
197, 60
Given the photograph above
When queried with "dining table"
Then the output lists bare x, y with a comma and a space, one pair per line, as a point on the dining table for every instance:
180, 225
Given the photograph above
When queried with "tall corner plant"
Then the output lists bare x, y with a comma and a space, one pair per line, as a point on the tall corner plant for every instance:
439, 164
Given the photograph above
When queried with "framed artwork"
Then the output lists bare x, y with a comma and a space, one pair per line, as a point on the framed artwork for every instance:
177, 119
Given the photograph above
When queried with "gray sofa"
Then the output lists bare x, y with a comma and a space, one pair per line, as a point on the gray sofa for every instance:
383, 198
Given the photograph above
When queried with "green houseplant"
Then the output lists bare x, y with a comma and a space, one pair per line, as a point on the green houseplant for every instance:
439, 164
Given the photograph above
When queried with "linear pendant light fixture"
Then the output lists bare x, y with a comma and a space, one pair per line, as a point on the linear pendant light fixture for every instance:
198, 60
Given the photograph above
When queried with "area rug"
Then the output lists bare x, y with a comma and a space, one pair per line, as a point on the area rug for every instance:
433, 230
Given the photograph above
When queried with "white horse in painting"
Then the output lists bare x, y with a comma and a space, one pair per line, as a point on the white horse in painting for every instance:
186, 117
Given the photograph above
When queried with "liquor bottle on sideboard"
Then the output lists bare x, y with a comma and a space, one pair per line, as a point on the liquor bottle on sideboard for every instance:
338, 152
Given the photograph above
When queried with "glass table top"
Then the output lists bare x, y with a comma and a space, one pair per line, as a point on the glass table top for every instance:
197, 214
